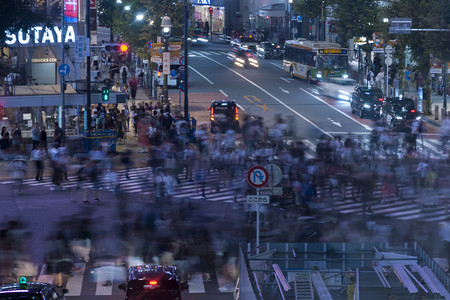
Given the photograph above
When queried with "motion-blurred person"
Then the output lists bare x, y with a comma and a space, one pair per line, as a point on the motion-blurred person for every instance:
18, 171
58, 168
16, 137
4, 143
445, 133
36, 135
38, 155
126, 162
43, 139
445, 235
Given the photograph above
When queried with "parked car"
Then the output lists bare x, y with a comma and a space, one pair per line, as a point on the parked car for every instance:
398, 111
153, 282
224, 115
367, 101
30, 290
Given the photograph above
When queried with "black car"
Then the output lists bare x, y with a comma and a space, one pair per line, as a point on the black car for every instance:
30, 291
224, 115
397, 112
269, 50
367, 101
241, 57
153, 282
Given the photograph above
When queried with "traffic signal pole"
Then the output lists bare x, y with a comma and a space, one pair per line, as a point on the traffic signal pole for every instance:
63, 95
186, 61
87, 117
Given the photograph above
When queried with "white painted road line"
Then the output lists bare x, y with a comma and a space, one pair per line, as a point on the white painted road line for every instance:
341, 112
75, 282
223, 93
270, 95
277, 65
196, 285
191, 68
105, 275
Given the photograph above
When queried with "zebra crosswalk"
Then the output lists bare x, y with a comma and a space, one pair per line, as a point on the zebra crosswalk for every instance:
103, 278
207, 53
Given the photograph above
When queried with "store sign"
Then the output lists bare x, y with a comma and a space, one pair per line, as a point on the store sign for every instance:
71, 8
44, 60
333, 51
41, 35
203, 2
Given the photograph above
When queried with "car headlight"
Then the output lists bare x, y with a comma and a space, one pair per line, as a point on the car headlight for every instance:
418, 117
345, 76
399, 117
366, 105
202, 40
319, 76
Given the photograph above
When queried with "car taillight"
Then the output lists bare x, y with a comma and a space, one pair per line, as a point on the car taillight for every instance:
413, 110
159, 74
153, 282
212, 114
380, 99
236, 113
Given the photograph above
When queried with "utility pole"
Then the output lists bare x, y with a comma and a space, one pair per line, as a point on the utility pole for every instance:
62, 77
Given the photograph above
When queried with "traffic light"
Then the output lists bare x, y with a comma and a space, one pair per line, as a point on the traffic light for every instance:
120, 48
105, 94
211, 10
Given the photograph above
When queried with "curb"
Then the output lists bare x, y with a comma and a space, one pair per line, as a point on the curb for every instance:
432, 122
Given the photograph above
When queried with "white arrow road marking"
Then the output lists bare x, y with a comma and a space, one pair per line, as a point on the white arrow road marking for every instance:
335, 122
341, 112
283, 90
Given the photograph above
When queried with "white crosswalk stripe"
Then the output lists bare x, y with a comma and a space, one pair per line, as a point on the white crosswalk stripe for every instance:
207, 53
87, 280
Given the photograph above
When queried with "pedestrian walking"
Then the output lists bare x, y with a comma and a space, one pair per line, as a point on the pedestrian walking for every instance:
43, 139
38, 156
124, 73
139, 75
58, 135
4, 142
133, 84
36, 135
16, 135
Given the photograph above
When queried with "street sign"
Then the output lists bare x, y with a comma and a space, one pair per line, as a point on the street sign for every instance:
275, 191
173, 73
258, 199
388, 60
150, 45
299, 19
257, 176
400, 25
182, 86
182, 75
166, 63
294, 30
389, 50
64, 69
275, 174
181, 68
181, 61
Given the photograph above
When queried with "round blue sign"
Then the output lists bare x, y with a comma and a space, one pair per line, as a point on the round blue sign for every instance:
63, 69
173, 73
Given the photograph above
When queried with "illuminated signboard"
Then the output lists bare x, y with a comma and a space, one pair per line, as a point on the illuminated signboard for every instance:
204, 2
41, 35
333, 51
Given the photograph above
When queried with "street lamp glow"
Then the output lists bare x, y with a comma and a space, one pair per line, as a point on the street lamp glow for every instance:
119, 1
139, 17
127, 7
385, 20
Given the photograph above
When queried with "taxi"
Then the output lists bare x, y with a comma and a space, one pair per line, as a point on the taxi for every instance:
153, 282
30, 291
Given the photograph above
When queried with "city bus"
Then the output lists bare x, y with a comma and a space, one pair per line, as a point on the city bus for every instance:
315, 61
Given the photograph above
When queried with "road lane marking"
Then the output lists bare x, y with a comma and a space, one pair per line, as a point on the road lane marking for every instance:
240, 107
341, 112
272, 96
191, 68
196, 285
75, 282
283, 90
286, 79
105, 275
277, 65
223, 93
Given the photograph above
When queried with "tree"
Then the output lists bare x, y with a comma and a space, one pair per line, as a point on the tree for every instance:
311, 8
357, 18
18, 15
139, 33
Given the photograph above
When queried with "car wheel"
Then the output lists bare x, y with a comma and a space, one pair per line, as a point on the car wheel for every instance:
291, 72
308, 79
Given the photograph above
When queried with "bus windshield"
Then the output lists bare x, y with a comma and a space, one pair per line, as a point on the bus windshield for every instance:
327, 62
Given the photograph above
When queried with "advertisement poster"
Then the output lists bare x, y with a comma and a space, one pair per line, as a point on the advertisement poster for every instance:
378, 43
435, 65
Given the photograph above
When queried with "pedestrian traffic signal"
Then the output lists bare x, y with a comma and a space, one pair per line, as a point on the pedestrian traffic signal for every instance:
211, 10
121, 48
105, 94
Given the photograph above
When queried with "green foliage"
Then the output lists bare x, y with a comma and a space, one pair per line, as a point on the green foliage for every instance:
139, 33
310, 8
357, 18
16, 15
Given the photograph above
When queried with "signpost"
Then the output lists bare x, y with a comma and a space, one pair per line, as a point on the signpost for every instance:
257, 177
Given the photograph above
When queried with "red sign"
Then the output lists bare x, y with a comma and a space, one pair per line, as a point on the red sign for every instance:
71, 8
257, 176
92, 3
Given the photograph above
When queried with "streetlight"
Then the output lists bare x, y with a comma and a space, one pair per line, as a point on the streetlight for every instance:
119, 1
166, 30
128, 7
385, 20
139, 17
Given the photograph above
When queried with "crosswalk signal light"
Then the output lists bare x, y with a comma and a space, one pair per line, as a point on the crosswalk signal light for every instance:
105, 94
23, 283
211, 10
